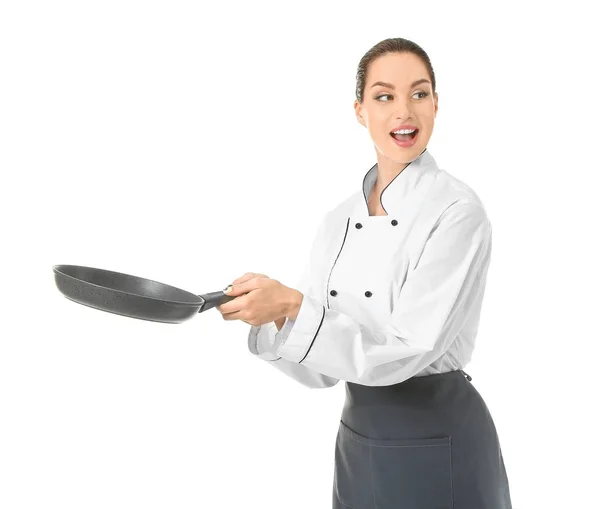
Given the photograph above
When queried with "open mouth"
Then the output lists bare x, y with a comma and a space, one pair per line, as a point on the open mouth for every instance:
404, 137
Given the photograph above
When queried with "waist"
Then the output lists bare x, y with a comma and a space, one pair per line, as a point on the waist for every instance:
421, 404
417, 385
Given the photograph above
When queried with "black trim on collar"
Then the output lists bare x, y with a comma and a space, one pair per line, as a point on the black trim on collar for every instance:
381, 194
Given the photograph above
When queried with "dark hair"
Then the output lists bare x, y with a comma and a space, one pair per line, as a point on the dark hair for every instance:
398, 45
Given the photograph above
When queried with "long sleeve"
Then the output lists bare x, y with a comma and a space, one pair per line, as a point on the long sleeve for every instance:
446, 283
262, 338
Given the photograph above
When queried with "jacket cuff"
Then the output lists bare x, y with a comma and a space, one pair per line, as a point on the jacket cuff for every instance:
260, 341
296, 337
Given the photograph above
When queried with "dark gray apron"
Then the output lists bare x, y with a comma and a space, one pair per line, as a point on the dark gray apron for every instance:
426, 443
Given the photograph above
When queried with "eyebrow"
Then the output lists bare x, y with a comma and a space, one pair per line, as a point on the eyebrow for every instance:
389, 85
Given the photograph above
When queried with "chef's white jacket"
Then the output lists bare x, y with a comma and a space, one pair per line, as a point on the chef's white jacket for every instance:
388, 297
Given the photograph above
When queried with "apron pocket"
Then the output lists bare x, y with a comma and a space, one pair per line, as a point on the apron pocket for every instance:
388, 474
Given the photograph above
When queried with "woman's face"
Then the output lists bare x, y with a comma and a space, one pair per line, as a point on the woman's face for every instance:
400, 100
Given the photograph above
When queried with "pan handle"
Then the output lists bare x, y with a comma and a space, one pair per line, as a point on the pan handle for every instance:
213, 299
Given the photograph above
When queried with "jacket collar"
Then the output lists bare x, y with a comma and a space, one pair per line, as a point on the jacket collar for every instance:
411, 180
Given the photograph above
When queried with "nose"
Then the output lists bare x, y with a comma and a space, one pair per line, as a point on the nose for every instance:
402, 109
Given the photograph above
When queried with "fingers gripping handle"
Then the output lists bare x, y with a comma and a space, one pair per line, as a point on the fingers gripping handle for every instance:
213, 299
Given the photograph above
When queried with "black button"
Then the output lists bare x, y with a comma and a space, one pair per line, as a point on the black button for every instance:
333, 292
394, 222
358, 226
368, 293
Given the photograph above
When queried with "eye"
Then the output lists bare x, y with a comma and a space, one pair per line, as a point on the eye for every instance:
425, 94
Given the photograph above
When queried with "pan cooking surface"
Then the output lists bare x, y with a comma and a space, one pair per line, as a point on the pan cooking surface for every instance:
129, 284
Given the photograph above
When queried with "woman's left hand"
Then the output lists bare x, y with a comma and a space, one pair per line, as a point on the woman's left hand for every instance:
259, 300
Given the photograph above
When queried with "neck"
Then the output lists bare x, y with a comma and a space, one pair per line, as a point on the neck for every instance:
387, 171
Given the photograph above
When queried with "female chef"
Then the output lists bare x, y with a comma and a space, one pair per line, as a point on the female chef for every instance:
389, 302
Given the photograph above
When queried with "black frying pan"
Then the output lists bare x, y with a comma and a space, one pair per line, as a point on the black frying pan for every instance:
132, 296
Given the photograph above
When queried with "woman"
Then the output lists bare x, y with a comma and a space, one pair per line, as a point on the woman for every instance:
390, 302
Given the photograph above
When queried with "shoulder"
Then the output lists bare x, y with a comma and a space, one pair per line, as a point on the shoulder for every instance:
451, 209
449, 196
451, 188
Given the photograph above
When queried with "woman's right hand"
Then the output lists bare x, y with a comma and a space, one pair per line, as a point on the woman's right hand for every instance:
249, 275
246, 277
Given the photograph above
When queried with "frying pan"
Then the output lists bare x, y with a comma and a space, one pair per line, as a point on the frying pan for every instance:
132, 296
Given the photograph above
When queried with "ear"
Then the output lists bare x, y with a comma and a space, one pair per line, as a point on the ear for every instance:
358, 113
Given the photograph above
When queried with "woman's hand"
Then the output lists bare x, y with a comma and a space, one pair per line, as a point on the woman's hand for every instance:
259, 300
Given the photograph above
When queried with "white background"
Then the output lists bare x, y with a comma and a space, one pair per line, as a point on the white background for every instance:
190, 143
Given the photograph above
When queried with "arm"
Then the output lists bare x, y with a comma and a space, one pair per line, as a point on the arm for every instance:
447, 282
260, 343
262, 338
